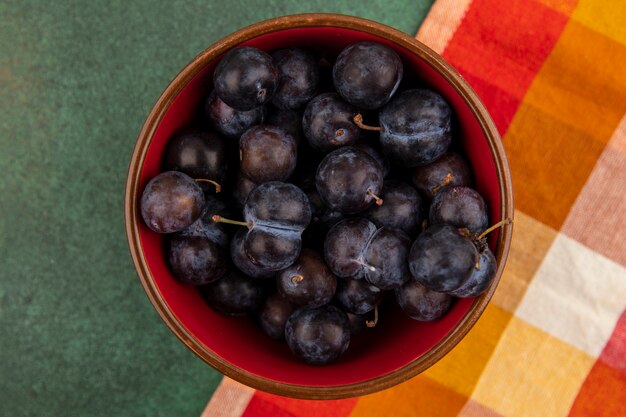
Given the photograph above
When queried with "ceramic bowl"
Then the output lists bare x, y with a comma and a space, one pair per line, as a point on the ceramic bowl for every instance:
377, 358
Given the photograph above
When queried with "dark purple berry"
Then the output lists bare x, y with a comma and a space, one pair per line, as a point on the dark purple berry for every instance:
241, 259
298, 78
272, 249
243, 186
196, 260
308, 282
357, 248
171, 202
235, 294
461, 207
358, 296
273, 316
422, 304
327, 122
205, 227
318, 336
442, 258
385, 258
416, 127
366, 147
288, 120
197, 154
245, 78
275, 214
481, 276
345, 244
401, 209
349, 180
367, 74
449, 170
267, 153
231, 122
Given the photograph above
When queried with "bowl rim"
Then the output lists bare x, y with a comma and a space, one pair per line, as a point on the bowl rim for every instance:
401, 39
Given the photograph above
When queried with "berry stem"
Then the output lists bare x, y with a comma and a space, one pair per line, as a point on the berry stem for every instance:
372, 323
219, 219
295, 280
363, 264
217, 185
379, 201
447, 179
494, 227
358, 120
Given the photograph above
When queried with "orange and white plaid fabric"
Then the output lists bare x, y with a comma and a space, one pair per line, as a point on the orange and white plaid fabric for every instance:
553, 341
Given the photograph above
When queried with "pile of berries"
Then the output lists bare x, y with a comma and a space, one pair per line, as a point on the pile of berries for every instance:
292, 209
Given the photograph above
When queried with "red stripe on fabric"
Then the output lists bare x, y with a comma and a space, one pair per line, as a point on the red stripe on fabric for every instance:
260, 407
604, 391
263, 404
504, 42
614, 353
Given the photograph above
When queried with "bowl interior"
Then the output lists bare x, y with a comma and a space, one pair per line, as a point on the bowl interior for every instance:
397, 340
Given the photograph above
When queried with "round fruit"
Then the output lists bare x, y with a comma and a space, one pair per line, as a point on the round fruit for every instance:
245, 78
298, 78
345, 244
273, 316
481, 276
308, 282
231, 122
357, 248
402, 208
196, 260
460, 207
358, 296
235, 294
318, 336
171, 201
367, 74
442, 258
197, 154
349, 180
416, 127
449, 170
205, 227
267, 153
288, 120
384, 258
275, 214
327, 122
243, 186
242, 261
422, 304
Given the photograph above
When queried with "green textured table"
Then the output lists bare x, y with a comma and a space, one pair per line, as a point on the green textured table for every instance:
78, 336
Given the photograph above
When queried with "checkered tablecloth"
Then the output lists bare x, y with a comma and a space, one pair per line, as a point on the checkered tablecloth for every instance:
553, 340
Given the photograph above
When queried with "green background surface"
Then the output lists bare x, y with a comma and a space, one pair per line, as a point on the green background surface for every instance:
78, 336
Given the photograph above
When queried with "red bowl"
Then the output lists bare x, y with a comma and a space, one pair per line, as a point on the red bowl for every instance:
392, 352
